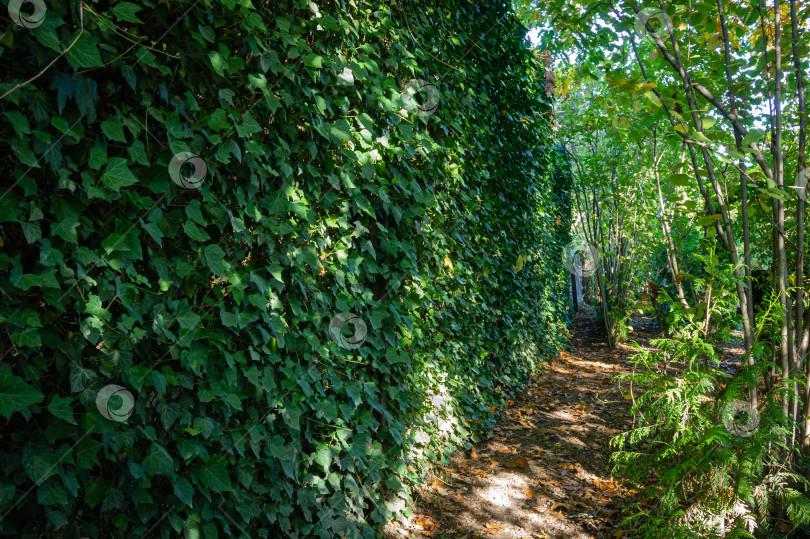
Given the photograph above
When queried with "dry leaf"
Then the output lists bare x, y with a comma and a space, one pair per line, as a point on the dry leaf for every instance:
426, 524
473, 453
604, 485
529, 493
560, 507
518, 462
461, 478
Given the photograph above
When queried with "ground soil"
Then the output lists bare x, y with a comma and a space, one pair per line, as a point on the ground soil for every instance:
544, 471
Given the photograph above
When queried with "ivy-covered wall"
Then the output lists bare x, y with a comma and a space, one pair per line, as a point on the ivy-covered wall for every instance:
261, 261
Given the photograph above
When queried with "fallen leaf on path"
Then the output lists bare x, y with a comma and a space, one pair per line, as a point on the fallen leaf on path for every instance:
567, 506
604, 485
518, 462
529, 493
427, 525
457, 477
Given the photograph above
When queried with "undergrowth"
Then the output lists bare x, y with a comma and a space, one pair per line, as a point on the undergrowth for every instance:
708, 463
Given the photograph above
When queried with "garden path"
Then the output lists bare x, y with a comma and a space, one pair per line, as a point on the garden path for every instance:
544, 471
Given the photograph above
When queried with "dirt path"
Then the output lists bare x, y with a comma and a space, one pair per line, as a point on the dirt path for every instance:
544, 471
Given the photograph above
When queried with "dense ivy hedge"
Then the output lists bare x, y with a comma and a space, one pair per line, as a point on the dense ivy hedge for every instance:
322, 188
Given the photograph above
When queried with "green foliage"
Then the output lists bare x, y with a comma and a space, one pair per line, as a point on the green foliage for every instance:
714, 314
209, 298
714, 466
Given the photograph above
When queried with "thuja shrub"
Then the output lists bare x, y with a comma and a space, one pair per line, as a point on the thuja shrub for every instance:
262, 262
707, 462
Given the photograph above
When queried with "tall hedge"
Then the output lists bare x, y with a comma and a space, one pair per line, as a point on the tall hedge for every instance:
276, 336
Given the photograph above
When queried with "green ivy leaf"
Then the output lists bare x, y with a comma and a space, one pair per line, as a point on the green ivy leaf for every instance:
313, 60
48, 495
214, 474
60, 407
79, 376
84, 52
86, 453
215, 259
98, 157
95, 493
158, 461
114, 129
184, 491
194, 232
15, 394
39, 462
117, 174
125, 11
340, 130
18, 122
